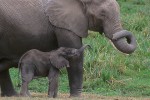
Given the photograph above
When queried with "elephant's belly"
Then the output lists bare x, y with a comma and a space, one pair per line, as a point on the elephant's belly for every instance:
20, 43
41, 72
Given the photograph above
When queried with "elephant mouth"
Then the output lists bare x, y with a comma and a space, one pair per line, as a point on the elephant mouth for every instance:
124, 41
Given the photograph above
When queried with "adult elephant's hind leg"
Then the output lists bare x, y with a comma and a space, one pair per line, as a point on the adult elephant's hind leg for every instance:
75, 71
6, 85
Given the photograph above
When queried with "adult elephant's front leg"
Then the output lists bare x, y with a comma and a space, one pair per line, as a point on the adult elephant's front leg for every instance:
75, 71
6, 84
75, 75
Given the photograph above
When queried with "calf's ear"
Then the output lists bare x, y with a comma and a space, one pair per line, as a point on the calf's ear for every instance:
59, 61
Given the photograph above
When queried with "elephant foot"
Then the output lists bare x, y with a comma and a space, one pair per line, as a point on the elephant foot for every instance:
75, 92
52, 95
24, 95
74, 95
10, 94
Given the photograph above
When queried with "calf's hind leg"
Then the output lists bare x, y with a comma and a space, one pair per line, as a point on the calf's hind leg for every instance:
27, 75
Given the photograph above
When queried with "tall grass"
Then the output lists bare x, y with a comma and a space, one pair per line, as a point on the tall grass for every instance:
106, 70
110, 72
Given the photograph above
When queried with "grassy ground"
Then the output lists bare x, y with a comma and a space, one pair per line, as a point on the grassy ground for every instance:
41, 96
108, 72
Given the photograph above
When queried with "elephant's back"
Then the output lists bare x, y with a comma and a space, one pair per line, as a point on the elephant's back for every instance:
24, 14
24, 26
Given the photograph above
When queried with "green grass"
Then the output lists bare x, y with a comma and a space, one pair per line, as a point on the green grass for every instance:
106, 70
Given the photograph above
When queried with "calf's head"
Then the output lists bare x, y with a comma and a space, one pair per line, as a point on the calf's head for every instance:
59, 58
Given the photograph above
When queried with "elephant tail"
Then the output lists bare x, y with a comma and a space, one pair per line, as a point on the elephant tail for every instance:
19, 71
19, 67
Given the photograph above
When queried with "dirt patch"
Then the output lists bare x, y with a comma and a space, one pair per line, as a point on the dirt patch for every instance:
42, 96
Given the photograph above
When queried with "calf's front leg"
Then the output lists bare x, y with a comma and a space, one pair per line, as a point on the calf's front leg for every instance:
53, 82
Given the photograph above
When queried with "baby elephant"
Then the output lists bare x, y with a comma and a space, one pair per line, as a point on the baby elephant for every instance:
35, 63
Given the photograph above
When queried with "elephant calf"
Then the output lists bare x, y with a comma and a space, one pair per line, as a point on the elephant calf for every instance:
36, 63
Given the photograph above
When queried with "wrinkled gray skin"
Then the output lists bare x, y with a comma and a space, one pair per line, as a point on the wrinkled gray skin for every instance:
35, 63
49, 24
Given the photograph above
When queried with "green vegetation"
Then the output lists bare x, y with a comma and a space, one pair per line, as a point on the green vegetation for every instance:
106, 70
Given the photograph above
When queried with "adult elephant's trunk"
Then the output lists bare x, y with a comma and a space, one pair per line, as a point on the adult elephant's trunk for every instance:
124, 41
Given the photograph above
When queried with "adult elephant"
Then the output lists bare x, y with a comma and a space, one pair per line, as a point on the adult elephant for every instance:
49, 24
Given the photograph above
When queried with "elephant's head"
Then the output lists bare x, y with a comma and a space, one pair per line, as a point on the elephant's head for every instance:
78, 16
59, 58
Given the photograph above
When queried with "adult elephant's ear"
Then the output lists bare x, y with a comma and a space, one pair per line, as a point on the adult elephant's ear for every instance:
68, 14
59, 61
